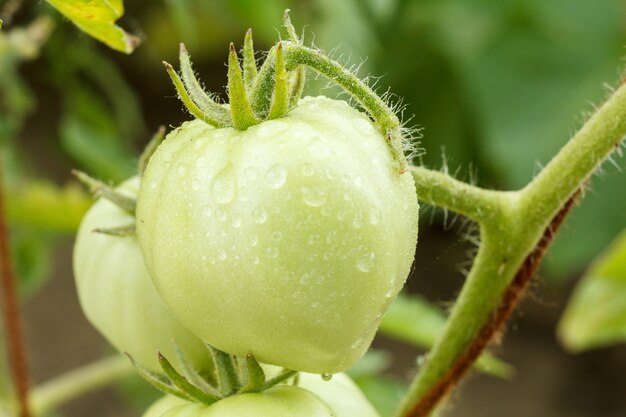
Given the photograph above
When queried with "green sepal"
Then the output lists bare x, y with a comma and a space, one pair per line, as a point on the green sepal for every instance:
158, 381
249, 62
284, 375
227, 378
183, 384
191, 374
122, 231
255, 374
187, 101
240, 108
100, 189
280, 103
205, 103
148, 151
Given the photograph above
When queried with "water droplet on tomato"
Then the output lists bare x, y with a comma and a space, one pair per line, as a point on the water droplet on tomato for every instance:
236, 221
327, 377
375, 216
276, 177
222, 255
313, 197
221, 215
307, 170
366, 262
224, 187
259, 215
272, 252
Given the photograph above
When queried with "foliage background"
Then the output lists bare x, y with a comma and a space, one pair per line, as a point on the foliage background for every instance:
497, 88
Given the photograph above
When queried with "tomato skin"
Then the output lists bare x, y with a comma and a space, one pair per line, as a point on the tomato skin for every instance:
117, 295
279, 401
287, 240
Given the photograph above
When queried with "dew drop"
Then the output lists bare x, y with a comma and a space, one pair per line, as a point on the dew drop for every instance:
254, 241
277, 236
276, 177
259, 215
224, 187
221, 215
327, 377
195, 185
181, 171
153, 184
358, 181
255, 260
222, 255
366, 262
357, 222
272, 252
236, 221
313, 197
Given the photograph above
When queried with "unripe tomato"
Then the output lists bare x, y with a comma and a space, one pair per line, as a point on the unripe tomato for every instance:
280, 401
340, 395
287, 240
117, 295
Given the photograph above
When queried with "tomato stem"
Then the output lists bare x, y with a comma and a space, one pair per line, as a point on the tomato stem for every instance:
280, 103
11, 310
249, 62
240, 108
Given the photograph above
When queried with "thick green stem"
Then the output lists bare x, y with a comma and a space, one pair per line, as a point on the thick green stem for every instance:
52, 394
513, 243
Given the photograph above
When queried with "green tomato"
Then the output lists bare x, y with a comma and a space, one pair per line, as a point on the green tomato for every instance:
340, 395
280, 401
288, 240
117, 295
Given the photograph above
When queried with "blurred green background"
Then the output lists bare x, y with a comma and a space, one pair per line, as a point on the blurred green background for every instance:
496, 88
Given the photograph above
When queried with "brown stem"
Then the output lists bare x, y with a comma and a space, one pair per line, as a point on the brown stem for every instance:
15, 340
499, 317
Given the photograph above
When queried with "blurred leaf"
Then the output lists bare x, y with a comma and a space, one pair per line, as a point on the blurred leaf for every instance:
32, 260
16, 100
89, 134
383, 392
97, 18
414, 320
46, 207
596, 313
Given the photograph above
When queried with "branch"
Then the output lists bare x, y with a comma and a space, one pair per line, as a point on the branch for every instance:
442, 190
514, 292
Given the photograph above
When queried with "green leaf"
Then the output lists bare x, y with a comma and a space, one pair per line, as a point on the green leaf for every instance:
97, 18
414, 320
596, 314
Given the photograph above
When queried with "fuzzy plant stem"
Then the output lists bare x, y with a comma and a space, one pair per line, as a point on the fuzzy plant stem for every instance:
10, 304
296, 55
514, 238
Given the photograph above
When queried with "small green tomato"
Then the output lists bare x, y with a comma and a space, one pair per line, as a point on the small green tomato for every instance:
280, 401
117, 295
287, 241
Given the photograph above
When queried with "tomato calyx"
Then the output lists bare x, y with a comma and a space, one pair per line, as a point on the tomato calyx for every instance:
232, 376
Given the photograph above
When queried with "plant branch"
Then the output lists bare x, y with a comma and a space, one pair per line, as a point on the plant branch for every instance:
10, 302
440, 189
51, 394
577, 161
513, 293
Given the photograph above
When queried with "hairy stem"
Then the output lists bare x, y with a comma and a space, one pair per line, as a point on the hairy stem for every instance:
51, 394
508, 238
10, 302
442, 190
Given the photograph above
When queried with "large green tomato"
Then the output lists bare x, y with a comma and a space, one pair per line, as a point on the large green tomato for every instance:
117, 295
280, 401
287, 240
340, 395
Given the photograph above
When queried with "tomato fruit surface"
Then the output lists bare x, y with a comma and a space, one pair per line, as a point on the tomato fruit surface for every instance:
287, 240
280, 401
117, 295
